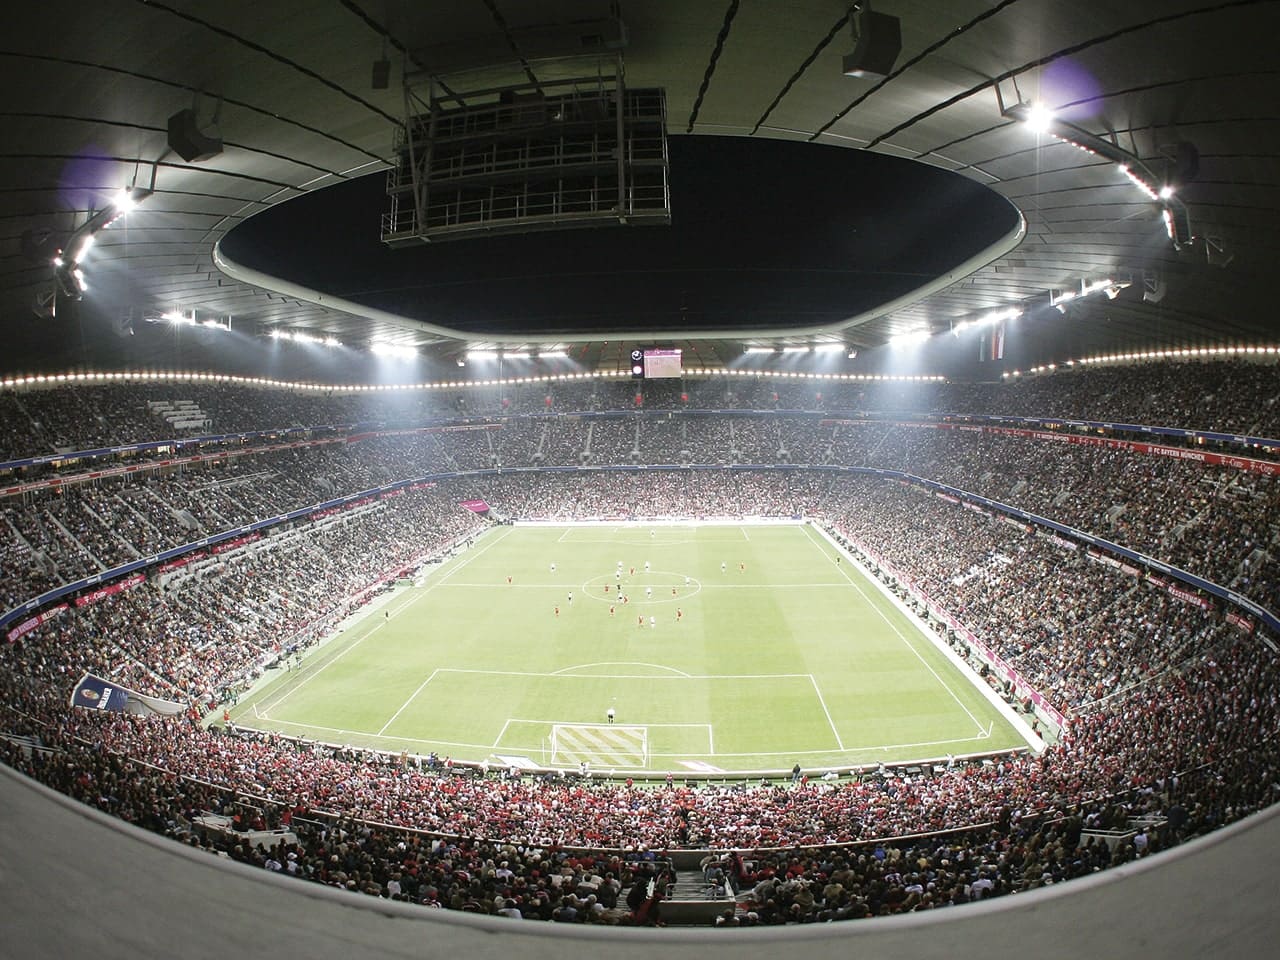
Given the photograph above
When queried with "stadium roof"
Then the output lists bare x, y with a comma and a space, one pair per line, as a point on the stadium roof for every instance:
1184, 90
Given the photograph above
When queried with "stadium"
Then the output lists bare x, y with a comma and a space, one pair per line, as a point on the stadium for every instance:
872, 514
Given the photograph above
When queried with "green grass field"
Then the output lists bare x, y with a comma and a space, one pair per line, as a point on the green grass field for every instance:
782, 656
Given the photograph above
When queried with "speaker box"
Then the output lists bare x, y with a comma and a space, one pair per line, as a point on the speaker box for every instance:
186, 140
877, 47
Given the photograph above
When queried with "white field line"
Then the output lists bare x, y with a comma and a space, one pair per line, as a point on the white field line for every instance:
745, 535
627, 581
411, 598
407, 702
564, 671
832, 723
710, 756
894, 627
848, 749
711, 742
311, 674
606, 726
624, 676
501, 733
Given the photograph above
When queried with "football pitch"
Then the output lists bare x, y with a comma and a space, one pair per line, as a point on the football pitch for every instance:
639, 649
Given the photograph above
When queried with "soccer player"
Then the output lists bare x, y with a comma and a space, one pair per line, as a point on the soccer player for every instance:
723, 566
557, 609
687, 581
742, 567
609, 714
679, 614
673, 591
653, 622
508, 581
611, 609
646, 566
570, 598
553, 566
648, 592
639, 621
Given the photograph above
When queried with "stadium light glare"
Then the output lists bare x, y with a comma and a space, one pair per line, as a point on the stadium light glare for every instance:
796, 349
552, 355
761, 350
124, 201
394, 350
1036, 115
829, 348
909, 338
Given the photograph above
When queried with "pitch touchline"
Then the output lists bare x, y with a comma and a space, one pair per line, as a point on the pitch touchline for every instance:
380, 624
710, 756
894, 627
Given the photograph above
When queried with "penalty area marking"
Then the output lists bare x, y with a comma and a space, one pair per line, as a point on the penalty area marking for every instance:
566, 671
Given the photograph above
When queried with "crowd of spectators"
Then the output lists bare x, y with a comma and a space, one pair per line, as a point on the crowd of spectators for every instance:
1228, 396
1173, 713
1214, 521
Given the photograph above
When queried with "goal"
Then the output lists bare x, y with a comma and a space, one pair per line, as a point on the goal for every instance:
605, 746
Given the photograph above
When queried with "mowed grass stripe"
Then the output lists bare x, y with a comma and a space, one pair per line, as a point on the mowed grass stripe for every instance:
789, 655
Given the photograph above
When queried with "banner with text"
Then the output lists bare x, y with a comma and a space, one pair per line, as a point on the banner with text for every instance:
26, 626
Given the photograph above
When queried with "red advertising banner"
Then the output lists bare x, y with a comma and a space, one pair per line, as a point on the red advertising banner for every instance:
26, 626
181, 562
475, 506
1186, 596
112, 588
237, 542
1241, 622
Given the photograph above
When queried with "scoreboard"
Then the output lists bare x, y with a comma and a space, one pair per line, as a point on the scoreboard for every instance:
655, 364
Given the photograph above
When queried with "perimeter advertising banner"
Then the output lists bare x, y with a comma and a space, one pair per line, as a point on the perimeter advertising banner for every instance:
95, 693
26, 626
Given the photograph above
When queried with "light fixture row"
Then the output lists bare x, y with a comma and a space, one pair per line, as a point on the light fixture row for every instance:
44, 379
1182, 353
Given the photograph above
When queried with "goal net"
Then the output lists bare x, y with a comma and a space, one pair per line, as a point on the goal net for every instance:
605, 746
